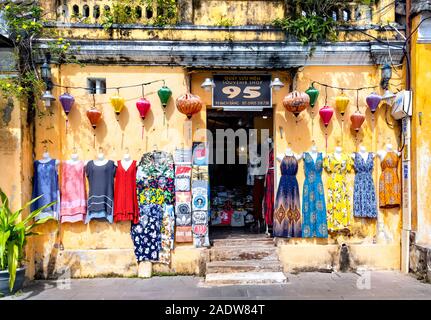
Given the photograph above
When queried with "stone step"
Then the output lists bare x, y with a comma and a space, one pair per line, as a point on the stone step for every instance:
245, 242
243, 266
245, 278
252, 252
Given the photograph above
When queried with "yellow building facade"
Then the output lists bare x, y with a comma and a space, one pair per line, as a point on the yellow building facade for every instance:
220, 37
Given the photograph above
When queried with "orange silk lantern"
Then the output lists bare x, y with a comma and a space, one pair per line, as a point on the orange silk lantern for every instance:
296, 102
357, 120
189, 104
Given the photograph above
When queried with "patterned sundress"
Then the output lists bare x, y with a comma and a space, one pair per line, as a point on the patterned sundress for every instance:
287, 217
389, 184
156, 196
314, 222
338, 206
364, 195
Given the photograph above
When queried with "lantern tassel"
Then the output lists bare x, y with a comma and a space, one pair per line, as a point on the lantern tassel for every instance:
342, 131
94, 140
67, 124
142, 132
326, 140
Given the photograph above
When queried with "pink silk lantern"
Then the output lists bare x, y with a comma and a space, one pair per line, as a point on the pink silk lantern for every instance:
326, 113
143, 106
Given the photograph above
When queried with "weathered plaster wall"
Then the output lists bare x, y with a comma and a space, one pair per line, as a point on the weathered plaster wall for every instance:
85, 244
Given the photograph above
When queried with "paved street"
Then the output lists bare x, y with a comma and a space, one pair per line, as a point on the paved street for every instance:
376, 285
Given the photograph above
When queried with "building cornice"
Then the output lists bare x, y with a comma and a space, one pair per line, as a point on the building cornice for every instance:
265, 55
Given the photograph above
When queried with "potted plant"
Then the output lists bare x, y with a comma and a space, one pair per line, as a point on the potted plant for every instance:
13, 237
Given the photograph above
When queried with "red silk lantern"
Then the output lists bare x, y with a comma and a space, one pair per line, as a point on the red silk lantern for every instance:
357, 120
143, 106
296, 102
326, 113
189, 104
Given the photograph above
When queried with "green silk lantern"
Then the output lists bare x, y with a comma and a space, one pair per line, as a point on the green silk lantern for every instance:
313, 93
164, 94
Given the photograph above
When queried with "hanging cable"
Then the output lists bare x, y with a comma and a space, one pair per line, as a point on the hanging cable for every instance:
110, 88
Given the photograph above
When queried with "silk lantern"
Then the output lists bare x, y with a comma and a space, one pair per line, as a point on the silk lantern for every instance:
357, 119
373, 101
341, 103
118, 103
143, 106
189, 104
67, 101
326, 113
296, 102
313, 93
94, 116
164, 94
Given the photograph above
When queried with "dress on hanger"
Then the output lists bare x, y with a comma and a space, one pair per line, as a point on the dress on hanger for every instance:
73, 195
156, 195
100, 201
338, 205
314, 222
268, 201
389, 184
125, 199
364, 195
45, 183
287, 217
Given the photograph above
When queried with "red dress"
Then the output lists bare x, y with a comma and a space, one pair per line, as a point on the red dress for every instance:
125, 199
268, 202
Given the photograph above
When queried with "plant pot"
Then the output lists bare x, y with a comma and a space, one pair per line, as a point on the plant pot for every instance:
4, 281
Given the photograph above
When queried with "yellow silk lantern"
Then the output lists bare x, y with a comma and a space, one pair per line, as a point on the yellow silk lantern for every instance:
117, 103
341, 103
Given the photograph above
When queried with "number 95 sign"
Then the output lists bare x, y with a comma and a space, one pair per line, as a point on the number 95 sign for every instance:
247, 91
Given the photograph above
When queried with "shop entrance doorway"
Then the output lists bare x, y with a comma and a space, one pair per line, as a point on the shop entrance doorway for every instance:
237, 190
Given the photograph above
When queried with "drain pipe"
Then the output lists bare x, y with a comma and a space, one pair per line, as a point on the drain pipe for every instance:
406, 159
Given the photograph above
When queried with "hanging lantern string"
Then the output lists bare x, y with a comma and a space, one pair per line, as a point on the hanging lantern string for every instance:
326, 96
143, 95
357, 100
111, 88
342, 88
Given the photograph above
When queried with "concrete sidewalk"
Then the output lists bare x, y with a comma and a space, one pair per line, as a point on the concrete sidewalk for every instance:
368, 285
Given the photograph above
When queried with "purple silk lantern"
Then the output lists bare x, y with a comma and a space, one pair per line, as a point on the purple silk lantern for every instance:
373, 101
67, 101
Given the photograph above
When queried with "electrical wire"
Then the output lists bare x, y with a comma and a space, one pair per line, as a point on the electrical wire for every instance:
342, 88
110, 88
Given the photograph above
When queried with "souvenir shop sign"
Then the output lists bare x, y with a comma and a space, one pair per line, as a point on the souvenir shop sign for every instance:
242, 91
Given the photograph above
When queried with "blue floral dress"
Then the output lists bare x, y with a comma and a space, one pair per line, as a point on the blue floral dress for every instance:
153, 235
146, 234
364, 195
314, 223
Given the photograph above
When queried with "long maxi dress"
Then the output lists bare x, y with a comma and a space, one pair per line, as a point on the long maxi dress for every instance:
153, 235
364, 194
73, 193
389, 183
338, 205
287, 217
125, 199
314, 222
268, 201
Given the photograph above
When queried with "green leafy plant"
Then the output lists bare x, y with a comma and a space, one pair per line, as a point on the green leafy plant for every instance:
309, 29
14, 232
225, 22
311, 20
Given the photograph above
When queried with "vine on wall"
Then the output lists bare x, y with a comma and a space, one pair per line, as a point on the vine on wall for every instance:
23, 23
312, 20
124, 12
